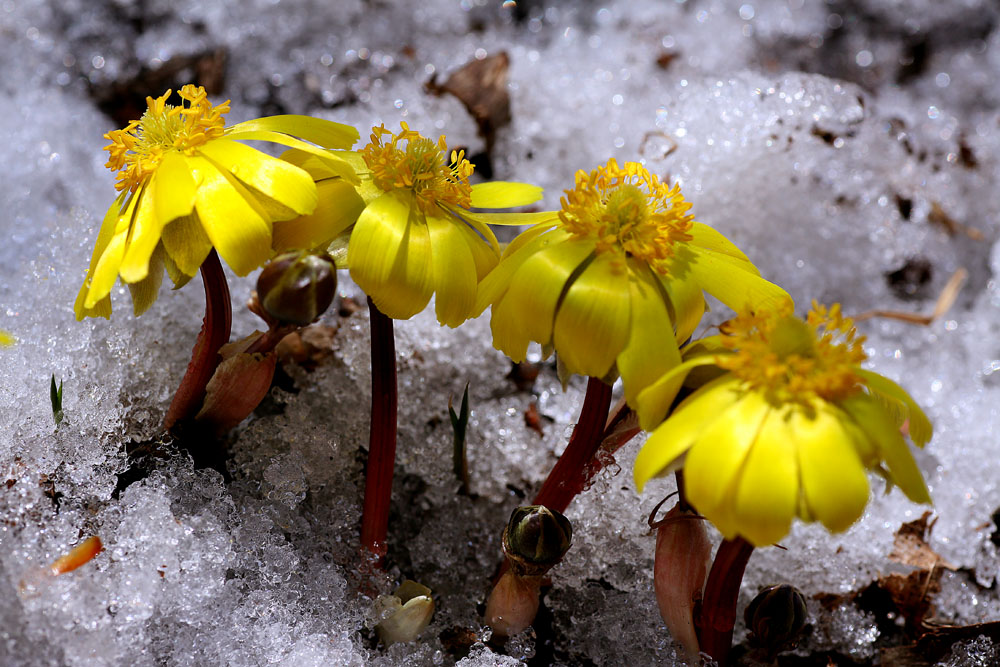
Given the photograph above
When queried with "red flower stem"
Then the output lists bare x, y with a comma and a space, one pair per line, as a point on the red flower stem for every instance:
568, 476
382, 436
718, 606
214, 334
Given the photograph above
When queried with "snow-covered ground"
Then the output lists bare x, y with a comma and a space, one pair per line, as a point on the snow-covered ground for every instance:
835, 142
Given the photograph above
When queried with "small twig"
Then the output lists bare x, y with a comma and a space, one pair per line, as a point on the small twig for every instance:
944, 303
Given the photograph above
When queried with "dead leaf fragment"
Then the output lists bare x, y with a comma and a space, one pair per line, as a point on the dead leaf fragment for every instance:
533, 420
481, 86
910, 545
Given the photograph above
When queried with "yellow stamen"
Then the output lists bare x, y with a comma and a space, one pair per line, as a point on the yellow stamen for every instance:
792, 359
137, 149
419, 167
627, 211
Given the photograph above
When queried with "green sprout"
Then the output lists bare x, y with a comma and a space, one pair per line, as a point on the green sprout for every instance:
459, 422
55, 396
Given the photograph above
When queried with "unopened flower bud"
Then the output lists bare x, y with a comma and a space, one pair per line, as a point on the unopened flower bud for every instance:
297, 287
680, 568
405, 614
536, 538
513, 604
775, 617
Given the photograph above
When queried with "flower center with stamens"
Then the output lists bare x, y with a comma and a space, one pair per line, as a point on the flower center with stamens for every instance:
136, 151
420, 167
792, 359
627, 211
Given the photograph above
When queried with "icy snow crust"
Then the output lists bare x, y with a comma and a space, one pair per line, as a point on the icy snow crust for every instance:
820, 137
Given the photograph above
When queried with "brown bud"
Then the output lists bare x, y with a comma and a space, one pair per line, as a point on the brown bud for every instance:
536, 538
775, 617
297, 287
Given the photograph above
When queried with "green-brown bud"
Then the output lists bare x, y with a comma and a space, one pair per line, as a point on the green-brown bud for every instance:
536, 538
297, 287
775, 617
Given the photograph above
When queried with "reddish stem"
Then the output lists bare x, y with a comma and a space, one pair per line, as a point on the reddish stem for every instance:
568, 477
382, 436
214, 334
718, 606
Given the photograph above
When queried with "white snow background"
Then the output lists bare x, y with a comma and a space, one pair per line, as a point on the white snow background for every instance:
822, 137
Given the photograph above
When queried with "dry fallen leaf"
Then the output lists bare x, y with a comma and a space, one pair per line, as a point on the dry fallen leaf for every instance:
481, 86
910, 545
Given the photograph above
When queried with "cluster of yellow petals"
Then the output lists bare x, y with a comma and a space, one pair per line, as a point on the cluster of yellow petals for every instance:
795, 360
419, 167
136, 150
627, 210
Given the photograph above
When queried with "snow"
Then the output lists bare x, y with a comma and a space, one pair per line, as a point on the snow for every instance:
820, 137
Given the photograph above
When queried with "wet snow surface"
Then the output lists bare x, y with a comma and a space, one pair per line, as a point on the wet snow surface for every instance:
849, 147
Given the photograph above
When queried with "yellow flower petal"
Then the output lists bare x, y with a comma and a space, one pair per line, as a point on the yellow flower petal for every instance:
454, 271
728, 281
338, 208
592, 318
102, 307
535, 289
324, 133
186, 243
709, 238
145, 291
231, 218
173, 188
390, 256
883, 432
653, 401
508, 334
902, 405
834, 483
483, 254
651, 350
501, 194
497, 282
105, 272
143, 236
713, 463
285, 183
332, 164
687, 304
477, 225
511, 219
6, 339
666, 444
768, 488
177, 277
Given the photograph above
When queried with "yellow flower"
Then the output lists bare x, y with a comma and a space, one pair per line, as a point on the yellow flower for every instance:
187, 185
6, 339
788, 428
615, 279
416, 235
